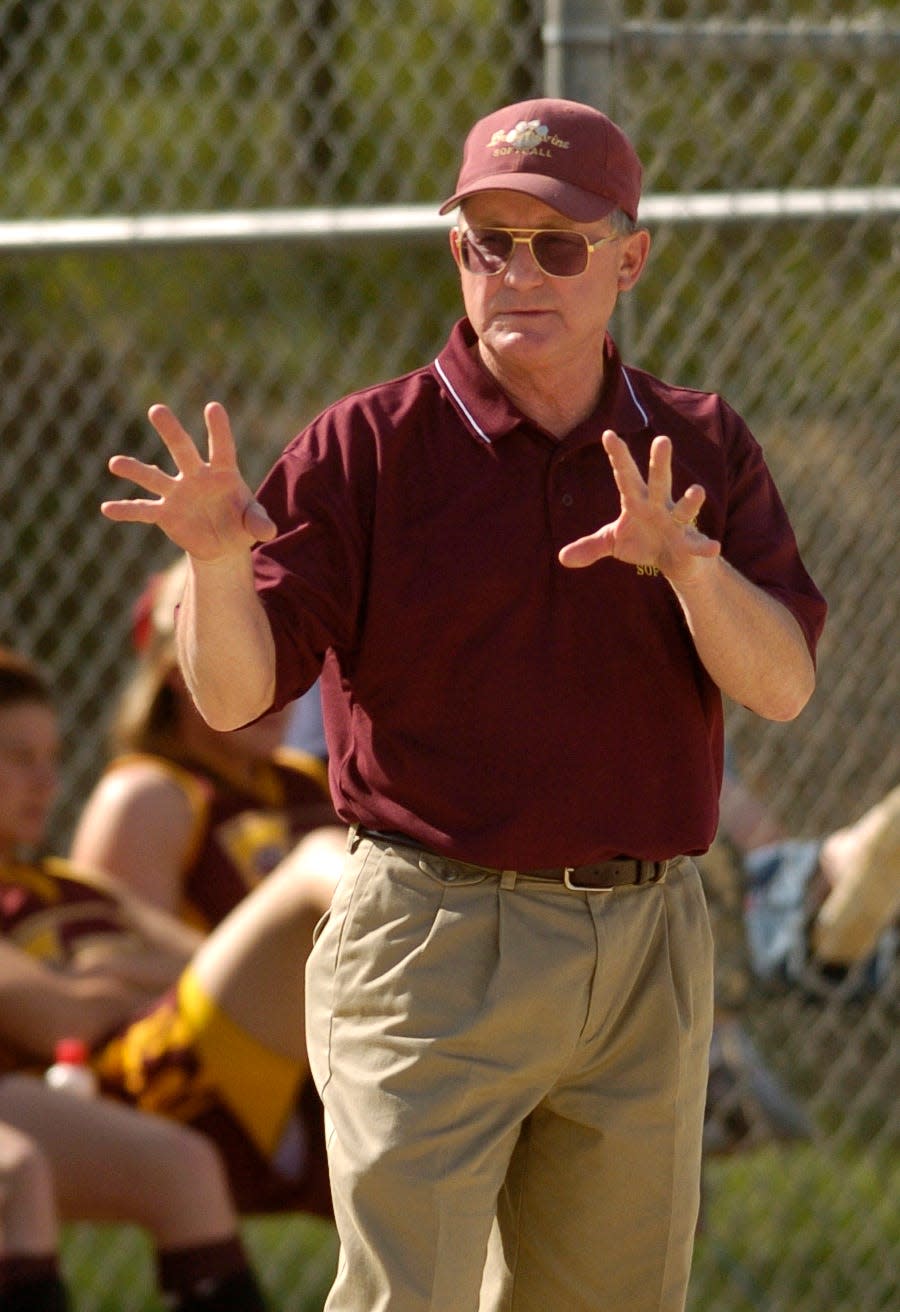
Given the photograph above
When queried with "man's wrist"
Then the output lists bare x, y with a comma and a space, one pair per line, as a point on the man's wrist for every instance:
701, 573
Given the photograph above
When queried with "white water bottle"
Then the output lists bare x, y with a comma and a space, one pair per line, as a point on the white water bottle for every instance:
70, 1070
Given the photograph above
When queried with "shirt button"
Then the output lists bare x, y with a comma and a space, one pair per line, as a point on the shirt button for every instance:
567, 499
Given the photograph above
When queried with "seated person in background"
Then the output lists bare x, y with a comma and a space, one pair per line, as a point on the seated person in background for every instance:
815, 909
806, 913
88, 1160
189, 818
205, 1031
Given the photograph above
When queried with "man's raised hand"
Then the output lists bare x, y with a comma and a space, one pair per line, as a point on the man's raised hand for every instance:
651, 529
206, 508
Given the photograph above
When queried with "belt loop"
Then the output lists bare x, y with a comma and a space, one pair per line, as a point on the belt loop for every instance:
353, 838
508, 879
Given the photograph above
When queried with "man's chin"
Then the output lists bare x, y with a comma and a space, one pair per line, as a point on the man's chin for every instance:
514, 331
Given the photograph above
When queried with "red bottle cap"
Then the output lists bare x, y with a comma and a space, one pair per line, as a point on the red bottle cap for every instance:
74, 1052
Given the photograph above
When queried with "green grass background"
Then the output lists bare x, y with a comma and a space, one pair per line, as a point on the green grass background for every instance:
784, 1230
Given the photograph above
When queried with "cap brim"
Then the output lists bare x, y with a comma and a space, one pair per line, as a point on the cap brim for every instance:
574, 202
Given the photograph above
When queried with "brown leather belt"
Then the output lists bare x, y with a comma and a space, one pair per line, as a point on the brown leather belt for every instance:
622, 872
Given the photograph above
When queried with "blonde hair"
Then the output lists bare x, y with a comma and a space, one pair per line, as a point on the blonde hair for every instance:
146, 718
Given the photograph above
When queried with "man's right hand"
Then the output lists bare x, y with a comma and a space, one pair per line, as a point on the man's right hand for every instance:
206, 508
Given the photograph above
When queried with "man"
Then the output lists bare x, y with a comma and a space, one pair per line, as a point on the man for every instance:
523, 640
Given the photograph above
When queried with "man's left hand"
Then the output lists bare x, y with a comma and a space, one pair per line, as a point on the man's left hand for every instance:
651, 529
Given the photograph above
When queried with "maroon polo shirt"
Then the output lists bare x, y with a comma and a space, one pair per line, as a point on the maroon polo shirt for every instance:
477, 695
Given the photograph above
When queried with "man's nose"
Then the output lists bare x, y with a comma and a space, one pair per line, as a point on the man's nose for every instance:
522, 264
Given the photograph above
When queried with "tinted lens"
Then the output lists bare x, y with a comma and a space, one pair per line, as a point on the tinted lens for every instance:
486, 250
559, 254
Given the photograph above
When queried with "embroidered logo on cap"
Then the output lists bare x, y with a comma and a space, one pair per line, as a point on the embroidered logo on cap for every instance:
527, 137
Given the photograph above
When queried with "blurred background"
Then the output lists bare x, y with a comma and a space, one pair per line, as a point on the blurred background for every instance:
236, 199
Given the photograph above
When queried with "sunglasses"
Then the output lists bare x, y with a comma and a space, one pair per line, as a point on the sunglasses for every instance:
558, 252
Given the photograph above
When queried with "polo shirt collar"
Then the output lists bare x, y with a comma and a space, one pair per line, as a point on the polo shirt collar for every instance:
489, 414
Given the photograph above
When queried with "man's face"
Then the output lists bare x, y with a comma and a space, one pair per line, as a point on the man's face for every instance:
527, 320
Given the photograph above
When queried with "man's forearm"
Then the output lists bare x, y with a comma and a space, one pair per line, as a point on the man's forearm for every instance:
225, 644
749, 643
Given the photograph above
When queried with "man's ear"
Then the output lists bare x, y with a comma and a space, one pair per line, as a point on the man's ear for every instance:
633, 256
454, 245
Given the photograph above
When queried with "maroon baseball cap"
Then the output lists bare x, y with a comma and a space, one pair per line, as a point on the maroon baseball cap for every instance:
569, 155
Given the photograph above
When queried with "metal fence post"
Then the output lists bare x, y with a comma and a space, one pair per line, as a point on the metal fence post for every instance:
580, 46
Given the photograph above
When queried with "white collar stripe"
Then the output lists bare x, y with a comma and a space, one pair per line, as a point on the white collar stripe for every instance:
465, 411
644, 415
479, 431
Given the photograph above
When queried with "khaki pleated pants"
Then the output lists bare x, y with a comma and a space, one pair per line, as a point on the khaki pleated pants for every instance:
514, 1079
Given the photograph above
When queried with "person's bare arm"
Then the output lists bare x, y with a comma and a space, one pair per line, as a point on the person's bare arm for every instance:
107, 979
137, 825
224, 641
39, 1005
150, 958
749, 643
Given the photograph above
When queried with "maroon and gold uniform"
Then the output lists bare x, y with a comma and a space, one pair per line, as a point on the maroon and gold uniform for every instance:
182, 1057
56, 917
241, 831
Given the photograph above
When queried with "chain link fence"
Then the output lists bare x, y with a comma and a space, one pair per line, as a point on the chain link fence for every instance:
769, 136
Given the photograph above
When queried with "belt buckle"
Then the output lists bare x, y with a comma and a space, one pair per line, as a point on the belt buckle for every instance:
568, 872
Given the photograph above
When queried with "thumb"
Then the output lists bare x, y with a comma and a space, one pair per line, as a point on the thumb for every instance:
585, 551
258, 523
